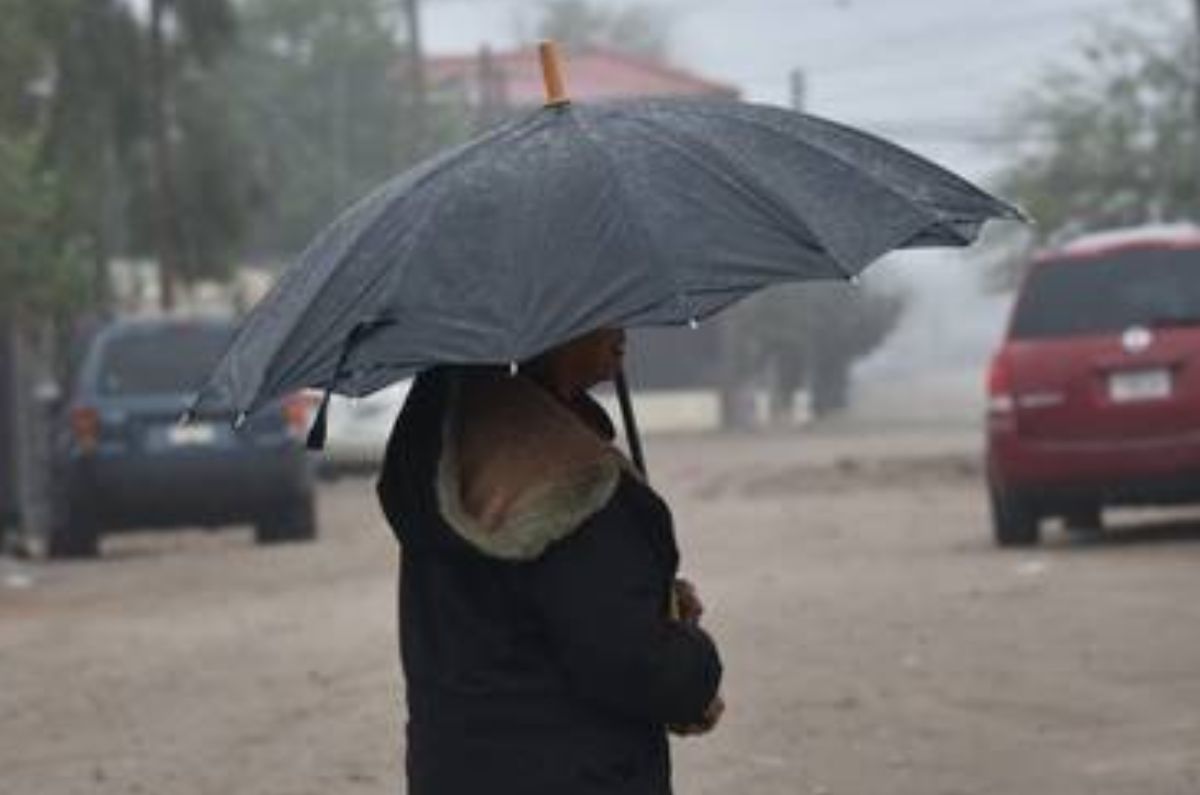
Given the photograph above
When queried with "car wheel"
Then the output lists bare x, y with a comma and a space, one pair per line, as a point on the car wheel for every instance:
1014, 521
72, 534
294, 521
1085, 520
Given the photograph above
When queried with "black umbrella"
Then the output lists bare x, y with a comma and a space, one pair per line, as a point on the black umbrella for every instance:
581, 216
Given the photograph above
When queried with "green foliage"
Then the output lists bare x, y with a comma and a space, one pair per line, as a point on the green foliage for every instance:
318, 99
812, 335
21, 65
41, 269
42, 263
216, 188
93, 117
580, 24
1114, 136
204, 28
100, 129
200, 192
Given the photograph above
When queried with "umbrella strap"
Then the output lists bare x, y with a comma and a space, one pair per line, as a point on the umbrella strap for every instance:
320, 427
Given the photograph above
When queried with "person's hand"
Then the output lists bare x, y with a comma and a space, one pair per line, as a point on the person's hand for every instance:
712, 716
687, 602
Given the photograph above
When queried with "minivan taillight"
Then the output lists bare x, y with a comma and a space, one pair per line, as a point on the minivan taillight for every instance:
999, 384
297, 411
85, 427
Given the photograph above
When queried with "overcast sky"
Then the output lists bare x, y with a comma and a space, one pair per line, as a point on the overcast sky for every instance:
933, 74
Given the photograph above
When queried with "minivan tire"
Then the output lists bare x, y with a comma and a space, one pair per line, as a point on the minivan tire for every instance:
1088, 520
295, 521
72, 535
1015, 523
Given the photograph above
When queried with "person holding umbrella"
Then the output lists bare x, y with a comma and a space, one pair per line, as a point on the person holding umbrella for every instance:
546, 643
543, 649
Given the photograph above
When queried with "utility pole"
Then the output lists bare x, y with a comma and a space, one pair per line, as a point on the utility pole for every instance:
490, 105
799, 88
792, 370
1196, 84
417, 86
338, 121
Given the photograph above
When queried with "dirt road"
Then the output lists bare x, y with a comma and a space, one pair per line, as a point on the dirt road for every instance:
875, 643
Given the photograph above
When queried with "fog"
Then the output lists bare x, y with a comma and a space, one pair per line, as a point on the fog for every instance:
917, 584
932, 74
937, 76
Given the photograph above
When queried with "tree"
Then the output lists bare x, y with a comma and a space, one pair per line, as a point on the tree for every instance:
39, 263
811, 335
579, 25
1113, 138
41, 284
93, 121
22, 65
184, 39
138, 134
318, 94
40, 274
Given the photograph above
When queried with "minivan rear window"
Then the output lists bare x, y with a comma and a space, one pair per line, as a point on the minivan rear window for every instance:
166, 360
1110, 293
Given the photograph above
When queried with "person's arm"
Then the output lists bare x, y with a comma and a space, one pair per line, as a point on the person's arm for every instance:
600, 593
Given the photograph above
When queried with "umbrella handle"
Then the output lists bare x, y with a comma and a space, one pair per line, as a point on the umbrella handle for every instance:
630, 421
556, 92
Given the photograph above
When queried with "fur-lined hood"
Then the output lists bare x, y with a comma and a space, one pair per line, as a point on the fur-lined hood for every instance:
513, 470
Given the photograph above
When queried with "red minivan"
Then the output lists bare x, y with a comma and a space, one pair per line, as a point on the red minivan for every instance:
1094, 397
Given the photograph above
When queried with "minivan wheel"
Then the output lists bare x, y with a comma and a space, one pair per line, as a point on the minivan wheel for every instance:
1014, 521
1086, 520
72, 534
294, 521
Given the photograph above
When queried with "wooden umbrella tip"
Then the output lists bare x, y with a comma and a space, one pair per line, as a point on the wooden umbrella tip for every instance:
552, 75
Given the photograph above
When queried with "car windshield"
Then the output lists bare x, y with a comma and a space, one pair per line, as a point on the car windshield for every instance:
1110, 293
166, 360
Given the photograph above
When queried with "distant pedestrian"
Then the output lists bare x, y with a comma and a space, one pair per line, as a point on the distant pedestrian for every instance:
546, 643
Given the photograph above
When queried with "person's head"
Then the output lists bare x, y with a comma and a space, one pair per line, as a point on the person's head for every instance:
581, 363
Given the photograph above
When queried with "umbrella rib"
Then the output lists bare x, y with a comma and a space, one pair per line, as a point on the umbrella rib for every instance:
893, 149
523, 127
759, 116
651, 242
771, 204
937, 218
918, 160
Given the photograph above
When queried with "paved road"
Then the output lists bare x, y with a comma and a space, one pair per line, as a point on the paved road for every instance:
875, 642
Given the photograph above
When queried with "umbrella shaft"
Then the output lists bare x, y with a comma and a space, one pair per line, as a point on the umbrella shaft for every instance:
630, 421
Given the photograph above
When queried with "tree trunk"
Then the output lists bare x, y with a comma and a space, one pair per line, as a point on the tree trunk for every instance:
8, 441
829, 382
788, 377
736, 399
31, 361
168, 210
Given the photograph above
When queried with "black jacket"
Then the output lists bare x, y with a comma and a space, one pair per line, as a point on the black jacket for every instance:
547, 664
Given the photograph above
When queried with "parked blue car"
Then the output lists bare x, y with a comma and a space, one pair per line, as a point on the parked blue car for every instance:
124, 462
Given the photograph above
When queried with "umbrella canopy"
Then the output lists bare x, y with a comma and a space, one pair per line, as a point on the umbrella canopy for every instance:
582, 216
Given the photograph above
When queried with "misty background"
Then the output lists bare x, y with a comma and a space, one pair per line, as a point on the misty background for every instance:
169, 154
938, 76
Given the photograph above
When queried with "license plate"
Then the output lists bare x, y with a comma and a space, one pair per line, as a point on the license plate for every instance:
191, 435
1136, 385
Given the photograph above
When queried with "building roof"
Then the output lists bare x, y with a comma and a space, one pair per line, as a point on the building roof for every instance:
595, 74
